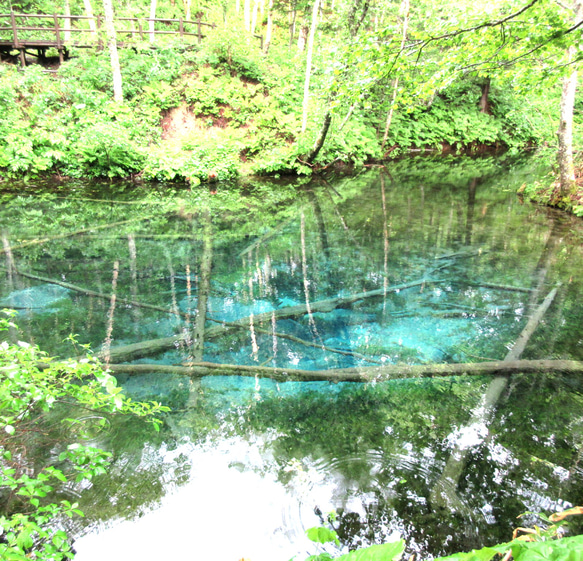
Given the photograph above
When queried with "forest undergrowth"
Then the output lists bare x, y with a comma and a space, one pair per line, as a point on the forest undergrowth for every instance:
225, 108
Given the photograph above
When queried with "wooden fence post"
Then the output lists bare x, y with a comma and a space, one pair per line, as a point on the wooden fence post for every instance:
199, 30
181, 27
15, 40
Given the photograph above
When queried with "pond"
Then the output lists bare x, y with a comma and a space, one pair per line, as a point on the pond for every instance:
289, 289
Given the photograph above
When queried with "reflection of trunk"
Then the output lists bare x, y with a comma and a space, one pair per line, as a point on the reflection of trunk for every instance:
110, 314
311, 321
136, 315
544, 262
204, 286
320, 222
154, 346
444, 493
10, 265
470, 213
385, 242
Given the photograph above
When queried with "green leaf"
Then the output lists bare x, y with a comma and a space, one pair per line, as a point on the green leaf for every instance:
320, 534
385, 552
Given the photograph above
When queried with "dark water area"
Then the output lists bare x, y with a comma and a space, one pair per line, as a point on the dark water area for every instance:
423, 262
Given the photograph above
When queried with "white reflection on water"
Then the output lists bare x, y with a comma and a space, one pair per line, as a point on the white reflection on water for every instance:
232, 507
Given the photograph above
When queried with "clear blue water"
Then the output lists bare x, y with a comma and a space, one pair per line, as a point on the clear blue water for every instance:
245, 464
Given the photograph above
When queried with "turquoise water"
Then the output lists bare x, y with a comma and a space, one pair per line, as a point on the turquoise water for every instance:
447, 266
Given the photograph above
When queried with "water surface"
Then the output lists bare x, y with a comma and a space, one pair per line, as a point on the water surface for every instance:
448, 264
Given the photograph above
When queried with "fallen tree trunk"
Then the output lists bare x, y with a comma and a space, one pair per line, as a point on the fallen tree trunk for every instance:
142, 349
358, 374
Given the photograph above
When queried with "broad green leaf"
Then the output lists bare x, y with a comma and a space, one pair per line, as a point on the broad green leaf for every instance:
385, 552
320, 534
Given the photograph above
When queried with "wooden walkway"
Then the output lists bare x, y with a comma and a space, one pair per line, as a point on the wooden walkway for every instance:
20, 34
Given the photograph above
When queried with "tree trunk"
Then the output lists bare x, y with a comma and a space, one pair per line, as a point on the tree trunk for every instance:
254, 16
269, 31
89, 14
565, 133
152, 24
321, 138
247, 14
292, 25
405, 14
313, 26
357, 374
113, 55
67, 29
444, 493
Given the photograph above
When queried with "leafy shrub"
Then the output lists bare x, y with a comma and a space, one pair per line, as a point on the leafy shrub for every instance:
31, 385
105, 150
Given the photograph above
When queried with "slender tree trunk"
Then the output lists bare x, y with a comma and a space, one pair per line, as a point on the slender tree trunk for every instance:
188, 8
565, 133
152, 24
484, 101
292, 25
89, 14
254, 16
112, 45
269, 31
405, 14
67, 30
309, 64
321, 138
247, 14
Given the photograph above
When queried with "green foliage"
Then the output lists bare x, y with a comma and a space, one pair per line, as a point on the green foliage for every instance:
106, 150
564, 549
32, 387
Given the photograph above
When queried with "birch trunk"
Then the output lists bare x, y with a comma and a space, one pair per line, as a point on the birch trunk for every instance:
247, 14
565, 133
254, 16
67, 30
151, 22
113, 55
313, 26
269, 30
89, 14
405, 12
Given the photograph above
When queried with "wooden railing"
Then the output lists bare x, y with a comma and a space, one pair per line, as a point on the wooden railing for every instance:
63, 31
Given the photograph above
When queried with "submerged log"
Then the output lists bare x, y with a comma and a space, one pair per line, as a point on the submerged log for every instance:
358, 374
151, 347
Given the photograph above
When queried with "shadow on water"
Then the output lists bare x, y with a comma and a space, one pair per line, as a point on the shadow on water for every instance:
305, 277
